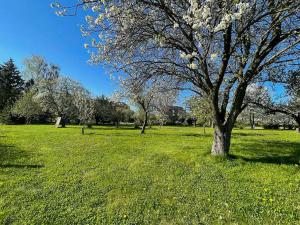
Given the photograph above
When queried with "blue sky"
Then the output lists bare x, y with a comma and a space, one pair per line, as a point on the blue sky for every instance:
30, 27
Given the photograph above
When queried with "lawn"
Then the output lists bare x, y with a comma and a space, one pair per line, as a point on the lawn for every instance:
117, 176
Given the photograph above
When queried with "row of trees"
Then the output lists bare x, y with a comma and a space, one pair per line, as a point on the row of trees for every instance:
46, 94
41, 94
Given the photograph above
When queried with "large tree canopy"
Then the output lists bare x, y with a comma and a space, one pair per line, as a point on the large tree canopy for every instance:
218, 47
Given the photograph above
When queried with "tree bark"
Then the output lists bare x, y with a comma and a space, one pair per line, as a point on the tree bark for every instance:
298, 123
221, 143
27, 120
252, 122
144, 122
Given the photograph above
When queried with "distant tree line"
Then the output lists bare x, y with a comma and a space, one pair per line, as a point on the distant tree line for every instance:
40, 94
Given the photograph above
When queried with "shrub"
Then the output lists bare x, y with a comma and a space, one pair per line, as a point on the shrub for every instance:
272, 126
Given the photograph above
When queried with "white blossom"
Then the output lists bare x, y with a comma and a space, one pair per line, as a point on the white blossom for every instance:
226, 20
89, 19
213, 56
96, 8
193, 66
186, 56
99, 19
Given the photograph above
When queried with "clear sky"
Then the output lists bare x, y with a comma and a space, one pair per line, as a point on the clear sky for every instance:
30, 27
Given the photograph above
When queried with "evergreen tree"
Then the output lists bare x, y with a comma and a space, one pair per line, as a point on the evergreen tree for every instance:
11, 84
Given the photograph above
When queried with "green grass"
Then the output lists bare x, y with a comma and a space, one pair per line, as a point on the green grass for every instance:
116, 176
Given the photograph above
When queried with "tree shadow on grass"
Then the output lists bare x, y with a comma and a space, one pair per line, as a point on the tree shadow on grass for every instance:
104, 134
197, 135
237, 134
108, 128
179, 134
274, 152
21, 166
9, 154
119, 128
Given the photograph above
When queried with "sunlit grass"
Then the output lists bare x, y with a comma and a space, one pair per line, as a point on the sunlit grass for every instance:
117, 176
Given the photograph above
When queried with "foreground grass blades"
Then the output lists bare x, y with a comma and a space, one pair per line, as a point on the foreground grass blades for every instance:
116, 176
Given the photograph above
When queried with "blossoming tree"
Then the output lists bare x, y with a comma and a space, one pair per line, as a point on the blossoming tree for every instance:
288, 104
200, 109
217, 46
149, 95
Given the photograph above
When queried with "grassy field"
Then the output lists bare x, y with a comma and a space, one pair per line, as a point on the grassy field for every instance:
116, 176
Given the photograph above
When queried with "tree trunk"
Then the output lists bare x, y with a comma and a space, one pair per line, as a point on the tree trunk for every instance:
252, 122
27, 120
63, 122
221, 143
211, 123
298, 122
144, 123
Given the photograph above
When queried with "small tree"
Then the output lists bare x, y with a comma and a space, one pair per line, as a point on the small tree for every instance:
139, 93
199, 108
103, 109
120, 112
84, 104
27, 106
148, 95
255, 94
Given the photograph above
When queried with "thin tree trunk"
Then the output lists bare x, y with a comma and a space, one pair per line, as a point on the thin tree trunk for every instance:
252, 122
298, 123
144, 122
63, 122
221, 143
27, 120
